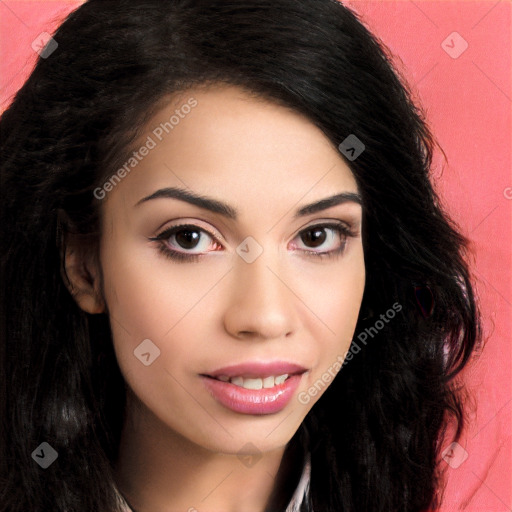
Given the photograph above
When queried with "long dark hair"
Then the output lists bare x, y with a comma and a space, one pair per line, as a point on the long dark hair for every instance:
374, 434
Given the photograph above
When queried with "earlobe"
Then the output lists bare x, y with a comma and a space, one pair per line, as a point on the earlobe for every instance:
82, 276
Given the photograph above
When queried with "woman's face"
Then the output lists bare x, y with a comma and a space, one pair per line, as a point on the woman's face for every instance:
268, 272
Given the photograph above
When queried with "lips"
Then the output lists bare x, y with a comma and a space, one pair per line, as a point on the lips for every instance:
257, 370
254, 388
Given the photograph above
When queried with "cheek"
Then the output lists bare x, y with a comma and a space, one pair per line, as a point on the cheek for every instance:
148, 297
347, 294
334, 299
336, 305
147, 306
137, 309
144, 292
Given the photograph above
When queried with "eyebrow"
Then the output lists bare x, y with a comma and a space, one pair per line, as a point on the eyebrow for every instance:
215, 206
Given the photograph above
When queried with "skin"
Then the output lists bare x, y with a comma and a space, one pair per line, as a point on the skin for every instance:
265, 161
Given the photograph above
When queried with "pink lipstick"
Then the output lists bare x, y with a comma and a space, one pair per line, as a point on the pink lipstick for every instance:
254, 388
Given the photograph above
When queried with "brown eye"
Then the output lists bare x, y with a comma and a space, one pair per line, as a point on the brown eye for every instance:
178, 240
314, 237
323, 240
187, 238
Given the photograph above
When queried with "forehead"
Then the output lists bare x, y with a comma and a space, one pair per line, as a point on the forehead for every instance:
225, 142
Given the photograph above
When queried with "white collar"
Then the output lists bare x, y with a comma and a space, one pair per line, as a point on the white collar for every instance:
302, 490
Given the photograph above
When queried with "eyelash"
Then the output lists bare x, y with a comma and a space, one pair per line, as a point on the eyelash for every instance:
343, 230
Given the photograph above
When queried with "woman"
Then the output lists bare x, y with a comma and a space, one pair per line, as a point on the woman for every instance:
229, 283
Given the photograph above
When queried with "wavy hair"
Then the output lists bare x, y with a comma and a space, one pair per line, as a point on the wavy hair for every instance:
374, 435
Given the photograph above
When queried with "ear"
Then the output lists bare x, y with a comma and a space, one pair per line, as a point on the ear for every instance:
81, 272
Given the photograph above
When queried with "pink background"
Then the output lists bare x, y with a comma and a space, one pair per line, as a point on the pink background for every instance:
468, 104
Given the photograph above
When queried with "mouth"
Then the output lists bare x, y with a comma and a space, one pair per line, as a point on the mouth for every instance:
268, 382
254, 388
257, 375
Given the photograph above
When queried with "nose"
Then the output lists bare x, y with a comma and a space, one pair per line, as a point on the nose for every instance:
262, 304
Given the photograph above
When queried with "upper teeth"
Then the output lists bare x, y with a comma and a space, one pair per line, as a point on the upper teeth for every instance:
248, 383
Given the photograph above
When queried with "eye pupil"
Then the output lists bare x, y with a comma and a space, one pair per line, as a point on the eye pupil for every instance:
314, 237
187, 238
